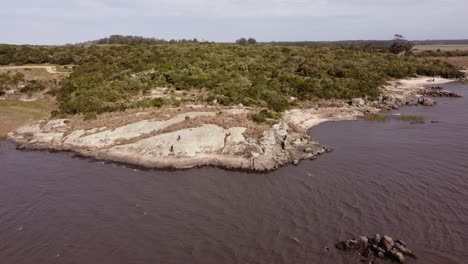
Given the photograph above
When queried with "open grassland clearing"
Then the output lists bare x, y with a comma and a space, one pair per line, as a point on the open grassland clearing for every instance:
419, 48
461, 61
36, 73
14, 114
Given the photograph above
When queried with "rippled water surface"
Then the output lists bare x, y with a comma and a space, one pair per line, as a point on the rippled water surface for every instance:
410, 181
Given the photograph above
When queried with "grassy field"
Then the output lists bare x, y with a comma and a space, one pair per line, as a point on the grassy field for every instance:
453, 54
461, 61
441, 47
14, 114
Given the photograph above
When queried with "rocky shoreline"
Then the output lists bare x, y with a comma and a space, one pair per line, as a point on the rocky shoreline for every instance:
173, 143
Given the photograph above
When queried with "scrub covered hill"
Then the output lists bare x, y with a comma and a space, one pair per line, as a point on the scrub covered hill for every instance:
109, 78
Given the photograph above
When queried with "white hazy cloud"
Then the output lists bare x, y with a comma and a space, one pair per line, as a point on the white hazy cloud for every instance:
61, 20
228, 8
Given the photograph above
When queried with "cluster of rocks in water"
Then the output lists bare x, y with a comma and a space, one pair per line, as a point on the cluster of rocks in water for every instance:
421, 101
377, 247
389, 102
437, 91
434, 91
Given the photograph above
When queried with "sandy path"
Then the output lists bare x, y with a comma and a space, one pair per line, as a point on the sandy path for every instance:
49, 69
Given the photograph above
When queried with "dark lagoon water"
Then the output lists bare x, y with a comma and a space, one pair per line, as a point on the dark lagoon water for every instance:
409, 181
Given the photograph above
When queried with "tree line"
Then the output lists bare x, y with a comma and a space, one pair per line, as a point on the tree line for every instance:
135, 40
244, 41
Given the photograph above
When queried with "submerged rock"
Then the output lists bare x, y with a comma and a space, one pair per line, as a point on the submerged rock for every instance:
363, 241
412, 102
343, 245
428, 102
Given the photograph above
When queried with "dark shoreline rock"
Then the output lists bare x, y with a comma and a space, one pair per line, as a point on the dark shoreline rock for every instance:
377, 247
437, 91
428, 102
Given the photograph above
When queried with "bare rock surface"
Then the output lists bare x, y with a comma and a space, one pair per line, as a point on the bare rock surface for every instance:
108, 138
205, 145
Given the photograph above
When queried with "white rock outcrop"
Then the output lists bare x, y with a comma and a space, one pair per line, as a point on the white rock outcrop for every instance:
204, 145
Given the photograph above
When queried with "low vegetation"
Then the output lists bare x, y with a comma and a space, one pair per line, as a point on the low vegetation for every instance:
404, 118
8, 81
109, 78
377, 117
410, 118
33, 87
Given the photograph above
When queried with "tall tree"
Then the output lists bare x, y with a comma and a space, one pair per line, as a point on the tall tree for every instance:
251, 41
241, 41
400, 45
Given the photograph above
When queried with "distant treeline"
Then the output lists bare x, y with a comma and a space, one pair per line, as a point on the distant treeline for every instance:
138, 40
377, 43
134, 40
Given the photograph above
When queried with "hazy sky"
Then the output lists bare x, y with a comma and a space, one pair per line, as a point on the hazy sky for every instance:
71, 21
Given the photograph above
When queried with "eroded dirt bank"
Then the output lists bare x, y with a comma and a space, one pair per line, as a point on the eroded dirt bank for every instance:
209, 136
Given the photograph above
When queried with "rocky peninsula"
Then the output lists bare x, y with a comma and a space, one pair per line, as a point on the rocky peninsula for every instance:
195, 135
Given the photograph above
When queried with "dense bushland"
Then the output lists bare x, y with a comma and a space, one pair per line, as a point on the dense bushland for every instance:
108, 77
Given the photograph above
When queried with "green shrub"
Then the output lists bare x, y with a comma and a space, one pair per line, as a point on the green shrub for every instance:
33, 87
263, 116
146, 103
410, 118
90, 116
377, 117
176, 102
157, 102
